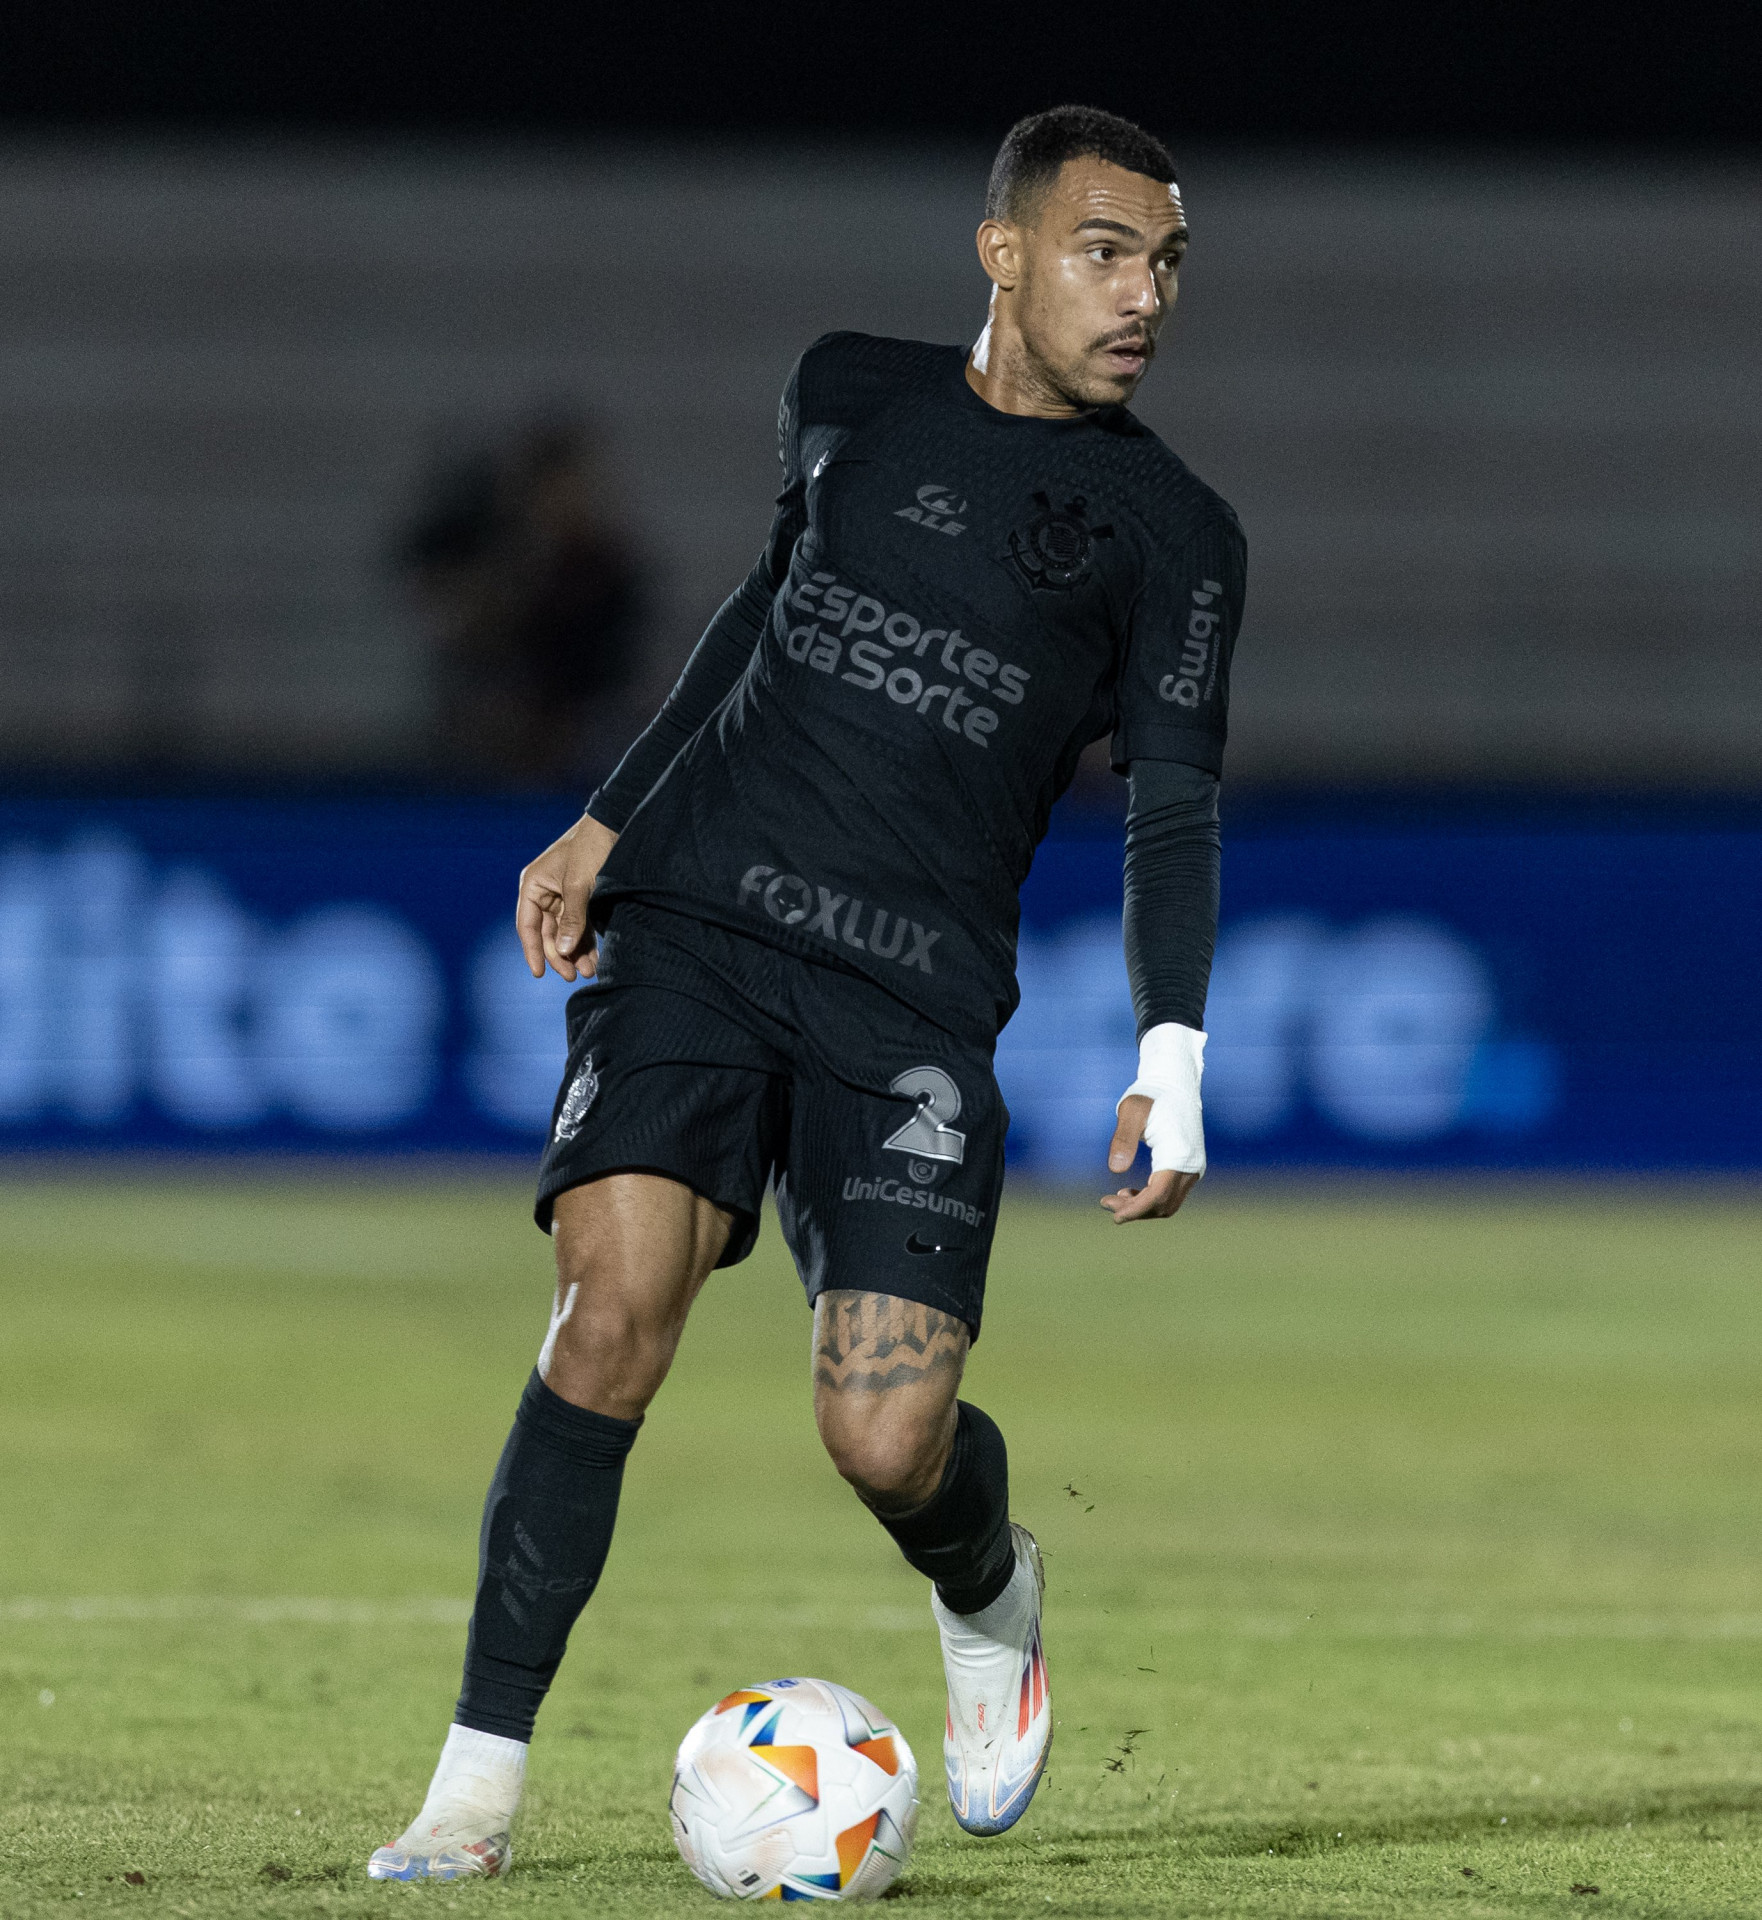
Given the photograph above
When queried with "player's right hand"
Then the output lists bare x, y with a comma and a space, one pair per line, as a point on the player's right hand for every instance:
551, 918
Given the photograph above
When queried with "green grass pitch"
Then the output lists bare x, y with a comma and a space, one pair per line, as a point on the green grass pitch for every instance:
1403, 1553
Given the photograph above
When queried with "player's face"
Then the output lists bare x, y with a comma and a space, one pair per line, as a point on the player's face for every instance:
1098, 270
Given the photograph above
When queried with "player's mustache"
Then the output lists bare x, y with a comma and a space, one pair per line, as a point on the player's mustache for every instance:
1126, 337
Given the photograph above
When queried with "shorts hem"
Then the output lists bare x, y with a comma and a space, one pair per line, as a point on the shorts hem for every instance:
742, 1236
923, 1293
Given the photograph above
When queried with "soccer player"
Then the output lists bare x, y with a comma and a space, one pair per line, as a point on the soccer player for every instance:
803, 912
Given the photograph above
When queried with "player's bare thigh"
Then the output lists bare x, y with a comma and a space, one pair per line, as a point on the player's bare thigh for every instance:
633, 1250
886, 1374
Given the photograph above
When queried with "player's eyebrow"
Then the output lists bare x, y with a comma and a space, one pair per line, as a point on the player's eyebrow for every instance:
1177, 237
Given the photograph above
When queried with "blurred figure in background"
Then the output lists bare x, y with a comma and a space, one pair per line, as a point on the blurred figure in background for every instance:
532, 590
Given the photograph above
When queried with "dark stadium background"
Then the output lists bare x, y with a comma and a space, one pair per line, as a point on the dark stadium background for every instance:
1469, 336
1497, 72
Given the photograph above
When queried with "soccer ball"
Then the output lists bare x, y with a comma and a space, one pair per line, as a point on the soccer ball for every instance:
795, 1790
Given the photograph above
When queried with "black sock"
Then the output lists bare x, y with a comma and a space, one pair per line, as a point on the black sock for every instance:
960, 1536
547, 1527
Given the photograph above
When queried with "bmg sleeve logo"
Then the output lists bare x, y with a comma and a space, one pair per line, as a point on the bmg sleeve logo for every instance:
1192, 685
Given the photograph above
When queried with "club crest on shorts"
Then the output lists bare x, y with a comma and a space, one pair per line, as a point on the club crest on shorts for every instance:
929, 1134
576, 1101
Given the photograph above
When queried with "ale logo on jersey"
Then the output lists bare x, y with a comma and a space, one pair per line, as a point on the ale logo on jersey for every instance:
937, 509
1055, 551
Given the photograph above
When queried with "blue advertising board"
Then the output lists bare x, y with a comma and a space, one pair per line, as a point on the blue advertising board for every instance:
1471, 985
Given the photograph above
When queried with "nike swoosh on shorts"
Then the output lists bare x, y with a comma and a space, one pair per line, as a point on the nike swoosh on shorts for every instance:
918, 1244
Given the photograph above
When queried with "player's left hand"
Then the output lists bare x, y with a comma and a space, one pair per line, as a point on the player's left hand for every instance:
1166, 1190
1161, 1110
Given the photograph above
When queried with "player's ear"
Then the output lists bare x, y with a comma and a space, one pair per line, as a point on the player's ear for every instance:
1000, 252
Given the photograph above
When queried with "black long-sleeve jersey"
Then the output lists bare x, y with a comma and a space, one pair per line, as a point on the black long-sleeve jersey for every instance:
862, 754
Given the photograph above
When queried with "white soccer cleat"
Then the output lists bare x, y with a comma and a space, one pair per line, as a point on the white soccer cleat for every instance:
999, 1725
442, 1853
463, 1829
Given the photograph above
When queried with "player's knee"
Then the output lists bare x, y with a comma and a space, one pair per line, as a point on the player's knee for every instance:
607, 1356
609, 1329
615, 1294
894, 1460
609, 1344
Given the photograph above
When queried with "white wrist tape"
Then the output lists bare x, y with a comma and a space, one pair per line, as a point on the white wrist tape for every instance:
1171, 1059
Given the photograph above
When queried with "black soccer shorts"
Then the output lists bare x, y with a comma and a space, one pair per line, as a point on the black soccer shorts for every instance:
722, 1062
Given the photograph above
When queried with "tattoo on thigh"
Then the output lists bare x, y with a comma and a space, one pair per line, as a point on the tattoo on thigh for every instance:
871, 1342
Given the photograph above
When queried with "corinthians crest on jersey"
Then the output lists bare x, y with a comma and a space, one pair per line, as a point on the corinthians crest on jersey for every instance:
1055, 550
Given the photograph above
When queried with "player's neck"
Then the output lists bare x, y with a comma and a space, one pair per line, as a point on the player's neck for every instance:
1003, 373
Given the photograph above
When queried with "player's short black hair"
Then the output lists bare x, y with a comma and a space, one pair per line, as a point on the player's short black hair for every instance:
1035, 148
